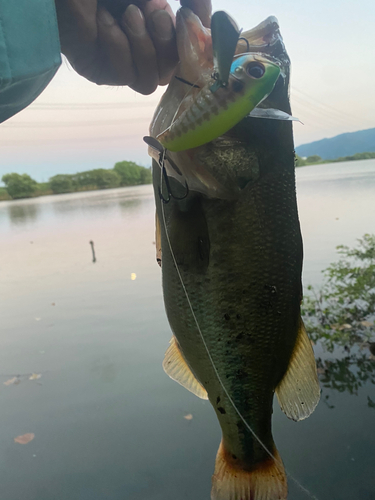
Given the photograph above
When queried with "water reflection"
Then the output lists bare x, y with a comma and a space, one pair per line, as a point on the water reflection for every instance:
348, 373
104, 369
106, 204
20, 214
93, 201
129, 204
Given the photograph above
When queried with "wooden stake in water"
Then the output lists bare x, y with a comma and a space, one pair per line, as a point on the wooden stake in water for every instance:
93, 251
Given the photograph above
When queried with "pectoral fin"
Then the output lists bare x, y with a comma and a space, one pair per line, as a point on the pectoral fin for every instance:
272, 114
298, 393
176, 367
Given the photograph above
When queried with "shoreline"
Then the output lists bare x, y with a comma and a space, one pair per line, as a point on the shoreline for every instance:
5, 197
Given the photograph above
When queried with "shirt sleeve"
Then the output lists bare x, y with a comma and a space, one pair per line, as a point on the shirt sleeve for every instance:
29, 52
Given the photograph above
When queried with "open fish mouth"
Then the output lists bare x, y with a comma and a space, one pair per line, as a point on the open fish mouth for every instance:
266, 39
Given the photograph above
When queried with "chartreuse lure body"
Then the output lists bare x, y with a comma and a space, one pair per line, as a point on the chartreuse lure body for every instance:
218, 108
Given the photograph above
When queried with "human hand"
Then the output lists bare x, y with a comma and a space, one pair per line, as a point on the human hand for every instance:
110, 42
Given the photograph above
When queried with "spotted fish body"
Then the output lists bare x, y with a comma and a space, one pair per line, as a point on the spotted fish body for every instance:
231, 272
214, 112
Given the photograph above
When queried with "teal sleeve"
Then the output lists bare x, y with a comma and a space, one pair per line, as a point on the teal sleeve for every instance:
29, 52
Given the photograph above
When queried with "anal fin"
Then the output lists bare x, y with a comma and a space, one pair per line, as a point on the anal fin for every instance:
176, 367
298, 392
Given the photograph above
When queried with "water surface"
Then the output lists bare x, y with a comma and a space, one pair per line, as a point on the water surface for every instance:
108, 423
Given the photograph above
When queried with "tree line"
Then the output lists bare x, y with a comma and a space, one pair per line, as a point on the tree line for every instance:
124, 173
313, 159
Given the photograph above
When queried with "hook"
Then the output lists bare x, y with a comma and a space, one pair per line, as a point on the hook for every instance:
247, 42
156, 146
166, 180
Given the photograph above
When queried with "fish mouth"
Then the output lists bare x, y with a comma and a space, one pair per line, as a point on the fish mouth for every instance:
266, 39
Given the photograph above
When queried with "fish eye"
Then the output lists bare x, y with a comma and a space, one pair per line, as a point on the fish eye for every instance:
255, 69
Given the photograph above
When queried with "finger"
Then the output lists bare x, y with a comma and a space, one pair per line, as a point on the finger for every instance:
143, 50
152, 5
161, 28
118, 7
202, 8
77, 29
155, 5
114, 62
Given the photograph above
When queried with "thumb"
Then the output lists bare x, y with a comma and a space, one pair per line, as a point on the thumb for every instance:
202, 8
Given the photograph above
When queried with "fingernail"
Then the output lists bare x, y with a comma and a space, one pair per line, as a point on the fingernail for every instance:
162, 25
134, 21
105, 17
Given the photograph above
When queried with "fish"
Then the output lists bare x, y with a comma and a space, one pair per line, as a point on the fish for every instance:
230, 246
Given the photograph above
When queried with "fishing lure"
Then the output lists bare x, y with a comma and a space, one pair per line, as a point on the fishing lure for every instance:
218, 108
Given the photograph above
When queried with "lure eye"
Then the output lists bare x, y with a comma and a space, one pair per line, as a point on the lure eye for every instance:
255, 70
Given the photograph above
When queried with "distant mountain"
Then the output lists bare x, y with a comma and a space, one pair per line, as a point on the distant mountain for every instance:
340, 145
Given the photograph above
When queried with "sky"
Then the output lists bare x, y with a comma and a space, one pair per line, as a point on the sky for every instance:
75, 125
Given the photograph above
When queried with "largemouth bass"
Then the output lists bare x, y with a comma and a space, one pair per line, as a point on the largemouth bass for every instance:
231, 250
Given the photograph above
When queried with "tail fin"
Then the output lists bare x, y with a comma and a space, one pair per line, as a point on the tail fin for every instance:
266, 481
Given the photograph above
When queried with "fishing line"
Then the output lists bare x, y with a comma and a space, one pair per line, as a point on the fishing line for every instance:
193, 86
279, 462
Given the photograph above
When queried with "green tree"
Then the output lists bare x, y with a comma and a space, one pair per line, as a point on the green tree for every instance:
19, 186
84, 180
99, 178
145, 175
299, 162
105, 179
313, 159
61, 184
129, 172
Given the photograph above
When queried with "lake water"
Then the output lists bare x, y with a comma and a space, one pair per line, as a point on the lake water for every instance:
108, 423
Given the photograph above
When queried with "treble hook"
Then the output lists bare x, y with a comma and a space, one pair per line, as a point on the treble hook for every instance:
156, 146
247, 42
166, 180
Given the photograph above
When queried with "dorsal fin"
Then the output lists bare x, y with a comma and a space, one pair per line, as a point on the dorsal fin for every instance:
176, 367
298, 393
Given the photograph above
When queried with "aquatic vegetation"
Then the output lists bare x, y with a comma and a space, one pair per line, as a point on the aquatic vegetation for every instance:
341, 314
